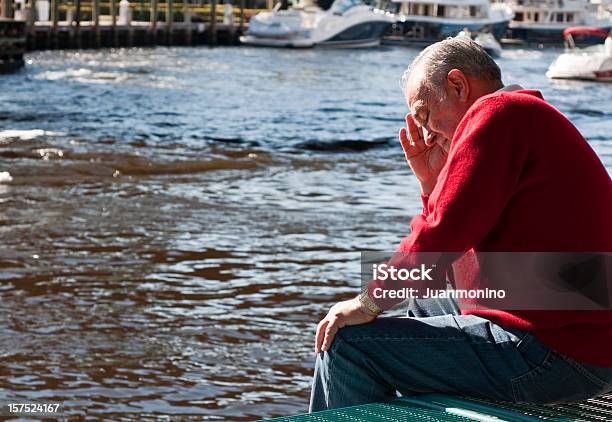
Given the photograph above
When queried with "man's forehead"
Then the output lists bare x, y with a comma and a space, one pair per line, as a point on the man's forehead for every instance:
416, 93
415, 84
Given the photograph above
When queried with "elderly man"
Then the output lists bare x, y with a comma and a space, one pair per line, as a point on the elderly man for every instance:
500, 170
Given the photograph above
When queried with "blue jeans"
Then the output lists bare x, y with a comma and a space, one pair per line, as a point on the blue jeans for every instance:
435, 349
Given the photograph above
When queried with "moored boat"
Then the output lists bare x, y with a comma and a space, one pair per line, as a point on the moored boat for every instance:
591, 63
428, 21
543, 21
341, 23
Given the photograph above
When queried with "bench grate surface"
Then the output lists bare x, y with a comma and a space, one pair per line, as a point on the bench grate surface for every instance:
439, 407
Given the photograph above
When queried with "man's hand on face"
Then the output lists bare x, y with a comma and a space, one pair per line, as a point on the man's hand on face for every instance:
349, 312
424, 153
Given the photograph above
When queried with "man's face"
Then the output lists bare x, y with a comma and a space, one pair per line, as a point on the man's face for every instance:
438, 113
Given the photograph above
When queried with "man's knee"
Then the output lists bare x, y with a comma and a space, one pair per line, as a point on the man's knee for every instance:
343, 340
350, 333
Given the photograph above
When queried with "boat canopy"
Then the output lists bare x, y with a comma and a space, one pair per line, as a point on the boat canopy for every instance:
589, 31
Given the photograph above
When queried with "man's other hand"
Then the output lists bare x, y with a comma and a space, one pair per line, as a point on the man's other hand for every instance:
426, 154
349, 312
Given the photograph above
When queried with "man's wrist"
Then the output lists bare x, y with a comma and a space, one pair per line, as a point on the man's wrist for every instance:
427, 187
367, 304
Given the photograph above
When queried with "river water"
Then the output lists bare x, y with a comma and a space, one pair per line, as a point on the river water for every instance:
175, 221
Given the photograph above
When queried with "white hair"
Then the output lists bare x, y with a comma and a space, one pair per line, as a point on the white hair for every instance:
460, 53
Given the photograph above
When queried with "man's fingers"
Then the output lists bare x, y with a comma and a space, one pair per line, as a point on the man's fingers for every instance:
403, 137
408, 117
408, 146
320, 334
330, 332
415, 132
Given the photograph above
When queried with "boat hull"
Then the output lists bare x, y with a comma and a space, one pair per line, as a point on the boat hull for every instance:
603, 77
549, 35
582, 66
366, 34
361, 35
422, 32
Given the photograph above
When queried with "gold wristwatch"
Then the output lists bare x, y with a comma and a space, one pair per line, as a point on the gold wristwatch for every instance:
368, 304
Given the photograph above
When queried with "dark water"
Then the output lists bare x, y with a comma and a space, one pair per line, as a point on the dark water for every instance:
178, 220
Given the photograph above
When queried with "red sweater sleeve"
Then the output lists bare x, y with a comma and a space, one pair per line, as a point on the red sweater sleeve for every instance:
484, 164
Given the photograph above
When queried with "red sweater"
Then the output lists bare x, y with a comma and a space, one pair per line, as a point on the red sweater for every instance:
521, 178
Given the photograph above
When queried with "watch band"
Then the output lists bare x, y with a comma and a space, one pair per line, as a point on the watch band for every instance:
368, 303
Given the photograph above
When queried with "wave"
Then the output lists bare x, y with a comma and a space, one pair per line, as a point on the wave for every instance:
143, 167
373, 103
587, 112
5, 176
380, 118
25, 135
83, 75
334, 110
599, 138
348, 145
226, 140
68, 167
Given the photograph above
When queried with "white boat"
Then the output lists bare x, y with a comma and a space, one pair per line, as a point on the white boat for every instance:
428, 21
484, 39
591, 63
343, 23
543, 21
487, 41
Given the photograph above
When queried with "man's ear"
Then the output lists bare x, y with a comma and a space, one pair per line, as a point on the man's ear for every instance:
459, 84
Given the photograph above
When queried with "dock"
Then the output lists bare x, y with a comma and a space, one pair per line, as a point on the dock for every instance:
12, 45
63, 24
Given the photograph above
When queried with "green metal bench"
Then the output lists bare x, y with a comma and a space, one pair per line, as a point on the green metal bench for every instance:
439, 407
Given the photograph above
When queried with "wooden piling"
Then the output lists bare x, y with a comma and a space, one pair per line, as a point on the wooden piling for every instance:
153, 23
130, 28
241, 17
77, 23
113, 14
212, 38
7, 9
187, 21
169, 21
96, 19
96, 33
54, 22
30, 23
130, 34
